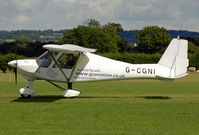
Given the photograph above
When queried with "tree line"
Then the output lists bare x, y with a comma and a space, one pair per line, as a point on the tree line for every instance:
35, 35
151, 42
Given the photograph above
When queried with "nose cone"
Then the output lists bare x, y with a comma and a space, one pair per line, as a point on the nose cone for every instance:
13, 63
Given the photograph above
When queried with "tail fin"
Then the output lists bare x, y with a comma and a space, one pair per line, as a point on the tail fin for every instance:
175, 58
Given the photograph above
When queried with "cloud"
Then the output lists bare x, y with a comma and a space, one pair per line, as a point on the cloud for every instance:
132, 14
23, 5
20, 19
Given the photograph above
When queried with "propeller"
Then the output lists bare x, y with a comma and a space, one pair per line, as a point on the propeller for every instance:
15, 69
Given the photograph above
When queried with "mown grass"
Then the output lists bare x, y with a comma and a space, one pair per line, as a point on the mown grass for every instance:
129, 107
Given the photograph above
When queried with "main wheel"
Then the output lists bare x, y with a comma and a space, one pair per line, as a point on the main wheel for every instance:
25, 96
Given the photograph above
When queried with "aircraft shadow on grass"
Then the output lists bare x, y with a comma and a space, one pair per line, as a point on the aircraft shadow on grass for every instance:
154, 97
49, 98
144, 97
54, 98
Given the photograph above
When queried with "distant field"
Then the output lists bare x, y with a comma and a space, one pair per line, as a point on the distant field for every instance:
128, 107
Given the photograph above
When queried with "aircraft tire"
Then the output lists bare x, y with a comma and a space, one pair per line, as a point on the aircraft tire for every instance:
25, 96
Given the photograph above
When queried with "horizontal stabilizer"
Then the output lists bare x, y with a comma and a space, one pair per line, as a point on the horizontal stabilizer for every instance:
169, 78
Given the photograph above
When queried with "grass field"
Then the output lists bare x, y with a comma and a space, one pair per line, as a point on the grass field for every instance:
129, 107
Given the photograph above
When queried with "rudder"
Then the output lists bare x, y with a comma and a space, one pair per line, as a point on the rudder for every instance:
175, 58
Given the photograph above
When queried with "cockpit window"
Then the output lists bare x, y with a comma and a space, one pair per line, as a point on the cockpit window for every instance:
67, 60
64, 60
44, 56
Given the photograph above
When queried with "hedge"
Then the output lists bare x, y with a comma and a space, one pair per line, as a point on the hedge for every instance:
134, 58
4, 59
141, 58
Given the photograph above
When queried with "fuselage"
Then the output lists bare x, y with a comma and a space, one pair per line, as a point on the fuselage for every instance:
71, 63
89, 67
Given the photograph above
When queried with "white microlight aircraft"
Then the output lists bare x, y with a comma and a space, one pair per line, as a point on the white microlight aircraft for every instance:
70, 63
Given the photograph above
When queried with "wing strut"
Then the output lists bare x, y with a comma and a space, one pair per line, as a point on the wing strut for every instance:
62, 89
51, 55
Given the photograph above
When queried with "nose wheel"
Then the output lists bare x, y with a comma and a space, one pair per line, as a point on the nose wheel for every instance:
25, 96
27, 92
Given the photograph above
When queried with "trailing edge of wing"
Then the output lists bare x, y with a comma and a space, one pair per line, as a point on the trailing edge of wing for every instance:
67, 48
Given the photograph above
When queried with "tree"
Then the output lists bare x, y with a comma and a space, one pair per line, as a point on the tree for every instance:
23, 41
194, 40
3, 63
113, 29
92, 23
4, 59
152, 39
194, 60
117, 26
192, 47
104, 39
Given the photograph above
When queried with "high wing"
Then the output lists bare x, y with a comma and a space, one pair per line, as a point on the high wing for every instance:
67, 48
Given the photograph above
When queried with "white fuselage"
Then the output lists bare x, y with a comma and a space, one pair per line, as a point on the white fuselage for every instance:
71, 63
90, 67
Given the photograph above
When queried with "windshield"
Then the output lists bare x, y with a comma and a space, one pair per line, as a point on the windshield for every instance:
44, 60
44, 56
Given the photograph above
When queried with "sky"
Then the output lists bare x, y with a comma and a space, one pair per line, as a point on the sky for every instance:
68, 14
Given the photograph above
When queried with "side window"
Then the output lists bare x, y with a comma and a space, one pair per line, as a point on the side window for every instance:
67, 60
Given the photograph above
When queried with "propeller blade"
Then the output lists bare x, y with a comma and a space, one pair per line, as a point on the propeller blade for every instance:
15, 70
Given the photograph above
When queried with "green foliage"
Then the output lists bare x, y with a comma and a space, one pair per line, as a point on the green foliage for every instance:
4, 59
113, 29
152, 39
105, 39
194, 40
36, 35
92, 38
192, 47
92, 23
116, 26
3, 64
33, 49
142, 58
23, 41
194, 60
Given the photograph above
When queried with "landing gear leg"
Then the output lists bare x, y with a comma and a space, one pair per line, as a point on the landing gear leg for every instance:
29, 84
70, 86
27, 92
69, 93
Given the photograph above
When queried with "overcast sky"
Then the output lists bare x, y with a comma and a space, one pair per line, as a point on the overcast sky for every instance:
67, 14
